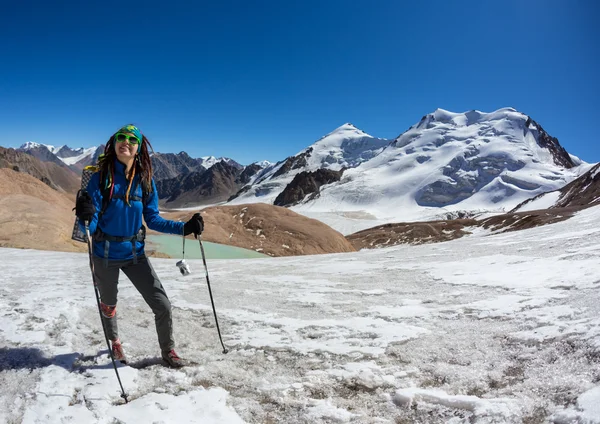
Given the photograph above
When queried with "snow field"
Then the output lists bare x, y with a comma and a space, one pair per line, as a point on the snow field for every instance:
501, 328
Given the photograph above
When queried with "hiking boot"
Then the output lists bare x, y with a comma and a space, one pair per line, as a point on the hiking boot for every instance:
172, 359
117, 351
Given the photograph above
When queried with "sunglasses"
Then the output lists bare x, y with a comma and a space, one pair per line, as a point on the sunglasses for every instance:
132, 140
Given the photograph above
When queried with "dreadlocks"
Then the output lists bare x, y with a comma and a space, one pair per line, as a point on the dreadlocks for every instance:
141, 166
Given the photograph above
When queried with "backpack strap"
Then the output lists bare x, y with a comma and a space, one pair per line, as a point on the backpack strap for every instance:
107, 192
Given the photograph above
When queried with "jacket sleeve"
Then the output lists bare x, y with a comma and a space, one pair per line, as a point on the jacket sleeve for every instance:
155, 221
93, 189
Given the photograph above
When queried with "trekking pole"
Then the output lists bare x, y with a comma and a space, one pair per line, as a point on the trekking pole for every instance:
225, 350
112, 358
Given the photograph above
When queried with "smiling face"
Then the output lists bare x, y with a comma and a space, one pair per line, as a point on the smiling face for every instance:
124, 149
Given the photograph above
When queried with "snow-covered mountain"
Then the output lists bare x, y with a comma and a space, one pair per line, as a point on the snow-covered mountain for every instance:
33, 145
43, 152
470, 161
208, 161
345, 147
76, 158
79, 155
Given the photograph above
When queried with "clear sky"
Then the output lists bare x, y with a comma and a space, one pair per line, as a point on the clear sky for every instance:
255, 80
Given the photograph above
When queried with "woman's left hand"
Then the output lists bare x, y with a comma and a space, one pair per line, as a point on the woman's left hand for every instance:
195, 225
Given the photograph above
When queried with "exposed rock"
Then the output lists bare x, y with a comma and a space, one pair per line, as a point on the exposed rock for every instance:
293, 162
171, 165
559, 154
248, 172
584, 191
200, 188
306, 183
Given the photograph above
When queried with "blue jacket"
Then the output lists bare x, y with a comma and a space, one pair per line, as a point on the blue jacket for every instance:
120, 220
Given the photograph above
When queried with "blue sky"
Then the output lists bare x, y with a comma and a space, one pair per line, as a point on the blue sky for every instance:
263, 80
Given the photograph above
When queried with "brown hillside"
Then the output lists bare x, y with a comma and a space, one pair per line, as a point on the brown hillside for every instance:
410, 233
56, 176
33, 215
269, 229
437, 231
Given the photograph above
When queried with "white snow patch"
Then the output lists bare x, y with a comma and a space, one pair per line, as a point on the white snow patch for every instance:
547, 200
498, 409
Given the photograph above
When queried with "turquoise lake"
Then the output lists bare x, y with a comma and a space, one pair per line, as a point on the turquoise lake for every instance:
172, 246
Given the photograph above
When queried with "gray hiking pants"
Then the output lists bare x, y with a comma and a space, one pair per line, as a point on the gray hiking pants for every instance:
144, 279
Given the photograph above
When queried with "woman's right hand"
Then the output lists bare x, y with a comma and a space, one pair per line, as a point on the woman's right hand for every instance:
84, 206
195, 225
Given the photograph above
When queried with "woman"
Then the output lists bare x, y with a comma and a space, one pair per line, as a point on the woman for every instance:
117, 198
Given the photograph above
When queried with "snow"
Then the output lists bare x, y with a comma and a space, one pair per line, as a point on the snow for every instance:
587, 410
89, 152
545, 201
33, 145
263, 163
209, 161
505, 408
489, 328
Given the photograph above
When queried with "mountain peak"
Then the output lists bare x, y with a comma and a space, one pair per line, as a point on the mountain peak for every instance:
262, 163
347, 127
476, 128
34, 145
460, 119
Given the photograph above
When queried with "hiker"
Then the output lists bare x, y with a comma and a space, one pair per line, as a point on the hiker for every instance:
118, 195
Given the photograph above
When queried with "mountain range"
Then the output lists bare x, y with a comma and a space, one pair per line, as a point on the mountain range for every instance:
446, 165
76, 159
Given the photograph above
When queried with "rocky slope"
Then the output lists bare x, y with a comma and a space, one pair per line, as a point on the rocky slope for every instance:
56, 175
170, 165
205, 187
306, 184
